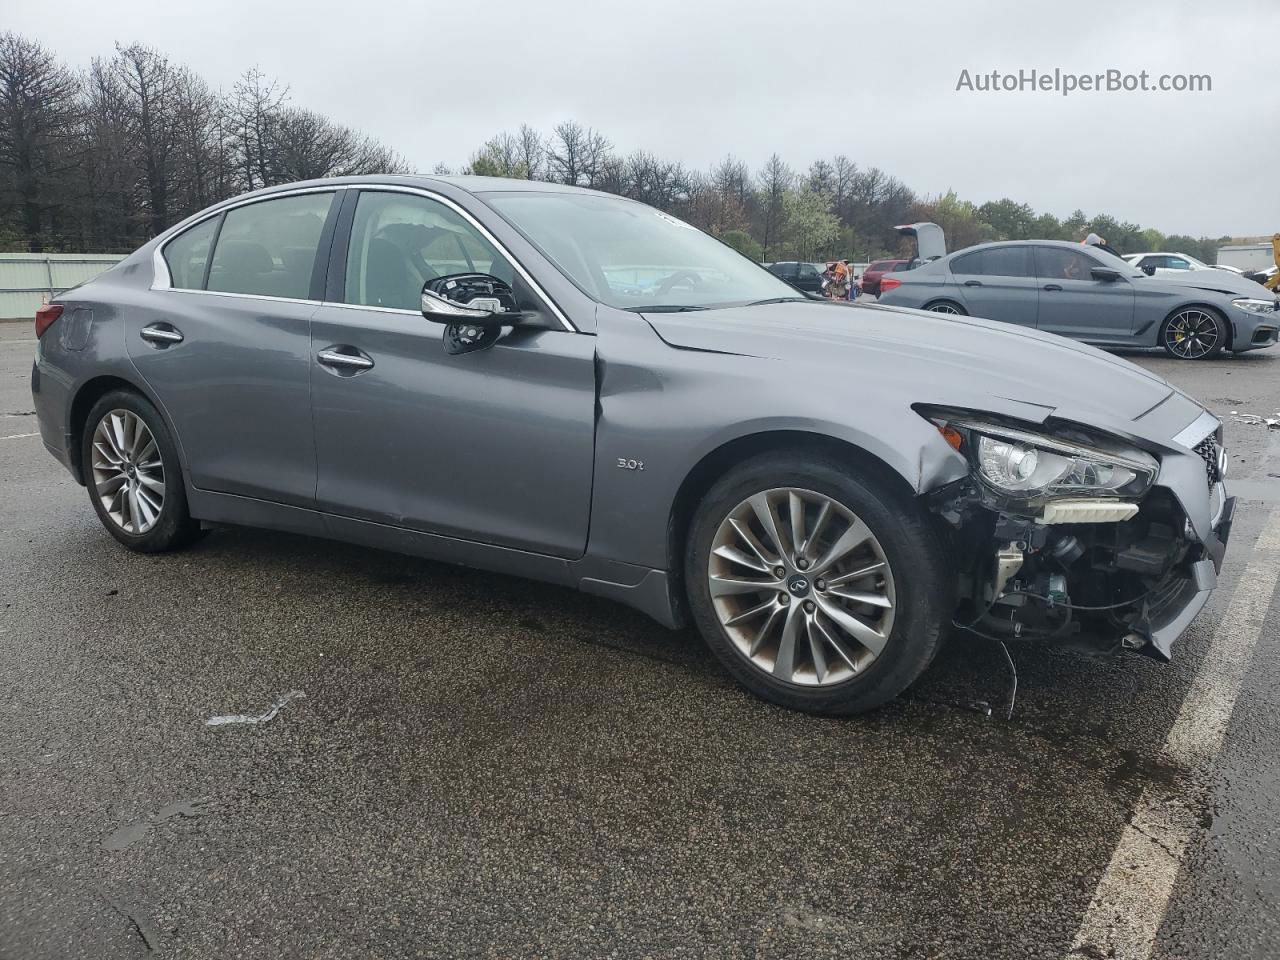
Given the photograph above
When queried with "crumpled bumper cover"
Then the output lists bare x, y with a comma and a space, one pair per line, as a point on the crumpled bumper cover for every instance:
1163, 622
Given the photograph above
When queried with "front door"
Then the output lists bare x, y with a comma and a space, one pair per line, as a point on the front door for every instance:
495, 446
1074, 304
228, 351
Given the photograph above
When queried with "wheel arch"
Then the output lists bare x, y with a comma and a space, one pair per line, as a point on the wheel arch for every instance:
954, 301
1199, 305
717, 462
89, 393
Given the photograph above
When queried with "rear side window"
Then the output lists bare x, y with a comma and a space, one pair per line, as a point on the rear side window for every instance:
808, 270
269, 248
187, 255
1007, 262
970, 263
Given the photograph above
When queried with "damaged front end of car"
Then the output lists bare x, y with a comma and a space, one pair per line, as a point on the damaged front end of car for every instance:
1069, 535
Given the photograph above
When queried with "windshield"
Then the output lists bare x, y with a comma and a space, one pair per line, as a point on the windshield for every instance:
634, 257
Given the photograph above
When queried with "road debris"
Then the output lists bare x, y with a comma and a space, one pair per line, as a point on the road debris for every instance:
260, 718
122, 838
1256, 420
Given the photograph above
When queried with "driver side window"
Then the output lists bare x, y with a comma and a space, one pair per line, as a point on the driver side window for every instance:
400, 241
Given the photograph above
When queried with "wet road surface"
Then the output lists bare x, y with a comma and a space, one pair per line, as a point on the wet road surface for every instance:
479, 766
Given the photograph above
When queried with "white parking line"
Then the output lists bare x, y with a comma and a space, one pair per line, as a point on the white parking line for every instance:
19, 436
1130, 901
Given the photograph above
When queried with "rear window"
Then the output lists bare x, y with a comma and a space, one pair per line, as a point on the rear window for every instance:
880, 266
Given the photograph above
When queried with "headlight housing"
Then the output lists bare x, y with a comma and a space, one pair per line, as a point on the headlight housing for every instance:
1254, 305
1021, 469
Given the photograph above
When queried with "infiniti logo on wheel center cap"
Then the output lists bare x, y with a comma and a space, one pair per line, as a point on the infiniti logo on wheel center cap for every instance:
798, 585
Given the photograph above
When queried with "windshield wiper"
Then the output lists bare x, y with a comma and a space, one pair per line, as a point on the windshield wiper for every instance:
761, 303
664, 308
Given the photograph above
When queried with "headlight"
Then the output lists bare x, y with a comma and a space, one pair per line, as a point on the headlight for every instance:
1257, 306
1020, 467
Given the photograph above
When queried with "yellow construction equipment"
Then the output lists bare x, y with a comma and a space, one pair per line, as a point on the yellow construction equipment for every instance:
1274, 282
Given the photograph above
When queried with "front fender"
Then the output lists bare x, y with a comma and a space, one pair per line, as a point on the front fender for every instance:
663, 409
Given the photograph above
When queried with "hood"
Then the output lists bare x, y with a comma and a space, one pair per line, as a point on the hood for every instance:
1217, 281
938, 359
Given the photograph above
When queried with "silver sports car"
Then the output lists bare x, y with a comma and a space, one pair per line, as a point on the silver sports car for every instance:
1088, 294
570, 386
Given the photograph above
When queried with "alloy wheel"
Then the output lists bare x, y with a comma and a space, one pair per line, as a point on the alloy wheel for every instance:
128, 472
943, 308
801, 587
1192, 334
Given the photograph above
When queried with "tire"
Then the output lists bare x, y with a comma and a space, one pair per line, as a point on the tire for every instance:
1185, 334
843, 675
947, 306
154, 516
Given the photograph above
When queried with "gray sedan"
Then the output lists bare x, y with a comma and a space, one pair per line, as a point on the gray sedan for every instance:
1088, 294
577, 388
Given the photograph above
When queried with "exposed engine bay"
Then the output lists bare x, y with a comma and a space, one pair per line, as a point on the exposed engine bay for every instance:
1106, 573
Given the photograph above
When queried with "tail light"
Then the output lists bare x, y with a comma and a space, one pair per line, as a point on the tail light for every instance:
45, 317
889, 283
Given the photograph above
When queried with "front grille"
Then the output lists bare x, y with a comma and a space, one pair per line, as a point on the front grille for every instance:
1209, 452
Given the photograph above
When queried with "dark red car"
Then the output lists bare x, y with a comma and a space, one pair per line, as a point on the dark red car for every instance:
877, 269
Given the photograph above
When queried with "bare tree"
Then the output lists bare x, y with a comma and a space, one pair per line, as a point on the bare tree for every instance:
39, 110
255, 110
775, 179
576, 154
532, 152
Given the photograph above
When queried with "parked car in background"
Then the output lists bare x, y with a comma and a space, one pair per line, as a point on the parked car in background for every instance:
1087, 294
806, 277
1154, 263
574, 387
876, 270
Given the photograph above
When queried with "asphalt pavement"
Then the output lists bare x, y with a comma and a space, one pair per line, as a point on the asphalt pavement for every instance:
473, 765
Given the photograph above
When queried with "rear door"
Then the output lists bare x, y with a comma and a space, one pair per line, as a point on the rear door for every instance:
998, 283
226, 348
1075, 305
495, 446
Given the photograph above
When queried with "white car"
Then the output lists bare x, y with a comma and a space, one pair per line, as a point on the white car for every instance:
1172, 263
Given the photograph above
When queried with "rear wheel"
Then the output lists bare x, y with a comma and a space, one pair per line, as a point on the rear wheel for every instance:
1194, 333
947, 306
817, 589
133, 474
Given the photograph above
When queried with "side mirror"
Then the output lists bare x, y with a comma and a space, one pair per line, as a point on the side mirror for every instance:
1105, 274
474, 307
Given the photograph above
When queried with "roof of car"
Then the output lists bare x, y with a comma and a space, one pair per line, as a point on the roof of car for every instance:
1065, 244
467, 183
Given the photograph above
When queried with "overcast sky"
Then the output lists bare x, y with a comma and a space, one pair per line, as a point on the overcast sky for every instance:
695, 80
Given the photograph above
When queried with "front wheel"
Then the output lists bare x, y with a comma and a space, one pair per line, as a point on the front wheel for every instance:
818, 589
133, 474
1194, 333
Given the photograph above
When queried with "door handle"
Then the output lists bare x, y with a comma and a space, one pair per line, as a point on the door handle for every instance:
973, 283
1053, 286
333, 357
162, 335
